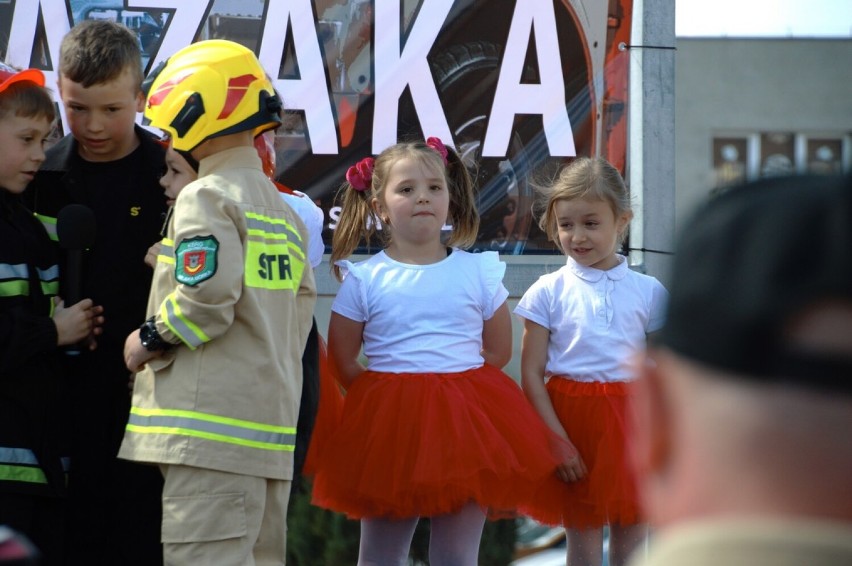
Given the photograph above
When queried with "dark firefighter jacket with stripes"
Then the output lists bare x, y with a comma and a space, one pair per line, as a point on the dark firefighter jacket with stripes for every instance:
33, 385
234, 292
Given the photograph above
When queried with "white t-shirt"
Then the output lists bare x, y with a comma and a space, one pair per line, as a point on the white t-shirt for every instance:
597, 319
422, 318
313, 218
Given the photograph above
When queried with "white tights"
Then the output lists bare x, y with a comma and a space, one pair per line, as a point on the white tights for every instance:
454, 540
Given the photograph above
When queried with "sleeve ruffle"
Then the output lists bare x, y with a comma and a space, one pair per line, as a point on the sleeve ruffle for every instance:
346, 267
535, 304
351, 299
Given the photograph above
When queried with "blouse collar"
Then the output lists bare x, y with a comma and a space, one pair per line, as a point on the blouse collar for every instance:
593, 275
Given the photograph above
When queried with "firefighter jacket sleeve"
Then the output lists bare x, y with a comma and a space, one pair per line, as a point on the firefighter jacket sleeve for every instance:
22, 336
208, 267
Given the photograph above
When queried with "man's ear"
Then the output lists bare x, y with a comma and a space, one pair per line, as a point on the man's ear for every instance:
140, 102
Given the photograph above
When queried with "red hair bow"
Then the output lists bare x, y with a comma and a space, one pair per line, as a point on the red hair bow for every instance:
438, 145
360, 175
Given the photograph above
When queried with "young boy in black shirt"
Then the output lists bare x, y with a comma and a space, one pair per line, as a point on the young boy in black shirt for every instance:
112, 166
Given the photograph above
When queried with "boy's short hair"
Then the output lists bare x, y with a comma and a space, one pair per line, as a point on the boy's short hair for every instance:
22, 93
98, 51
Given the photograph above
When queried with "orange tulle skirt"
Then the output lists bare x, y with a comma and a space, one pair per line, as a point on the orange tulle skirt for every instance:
593, 415
427, 444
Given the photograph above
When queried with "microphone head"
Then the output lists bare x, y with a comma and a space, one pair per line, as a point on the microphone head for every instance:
75, 227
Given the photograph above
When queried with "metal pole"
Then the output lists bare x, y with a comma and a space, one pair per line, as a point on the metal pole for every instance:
652, 145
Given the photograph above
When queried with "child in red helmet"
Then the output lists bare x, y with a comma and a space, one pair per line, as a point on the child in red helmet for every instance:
34, 324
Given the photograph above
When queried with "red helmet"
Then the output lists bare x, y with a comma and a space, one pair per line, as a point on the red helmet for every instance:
9, 75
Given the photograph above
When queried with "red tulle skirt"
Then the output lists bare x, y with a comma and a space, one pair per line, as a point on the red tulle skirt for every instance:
328, 412
427, 444
593, 415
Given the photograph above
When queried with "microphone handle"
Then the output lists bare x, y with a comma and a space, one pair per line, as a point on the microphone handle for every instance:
73, 287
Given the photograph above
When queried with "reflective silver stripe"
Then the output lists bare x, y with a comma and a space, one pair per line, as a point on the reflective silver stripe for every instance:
23, 456
211, 428
17, 456
19, 271
167, 252
273, 228
14, 280
180, 325
49, 274
13, 271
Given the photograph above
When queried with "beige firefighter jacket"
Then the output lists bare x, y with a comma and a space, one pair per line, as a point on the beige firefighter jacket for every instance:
234, 292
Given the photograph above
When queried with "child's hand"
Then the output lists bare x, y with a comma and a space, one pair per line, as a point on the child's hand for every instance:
80, 321
151, 256
135, 354
572, 468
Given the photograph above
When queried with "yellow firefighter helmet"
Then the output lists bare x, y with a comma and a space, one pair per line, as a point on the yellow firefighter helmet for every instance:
208, 89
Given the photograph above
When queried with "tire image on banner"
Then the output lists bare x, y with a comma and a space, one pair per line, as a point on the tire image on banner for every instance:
505, 195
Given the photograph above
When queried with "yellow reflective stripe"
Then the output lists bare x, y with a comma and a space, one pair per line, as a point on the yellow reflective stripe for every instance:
275, 255
49, 223
19, 288
20, 464
167, 252
272, 228
17, 280
14, 288
21, 474
50, 288
212, 427
276, 230
189, 333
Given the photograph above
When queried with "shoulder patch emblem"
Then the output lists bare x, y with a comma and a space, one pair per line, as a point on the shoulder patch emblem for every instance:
196, 259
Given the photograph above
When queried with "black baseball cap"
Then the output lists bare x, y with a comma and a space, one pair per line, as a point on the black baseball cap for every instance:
749, 263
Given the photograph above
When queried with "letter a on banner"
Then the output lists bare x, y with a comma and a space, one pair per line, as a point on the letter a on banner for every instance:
547, 98
25, 20
397, 68
301, 93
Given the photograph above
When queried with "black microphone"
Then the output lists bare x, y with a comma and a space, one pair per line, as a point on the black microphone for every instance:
75, 227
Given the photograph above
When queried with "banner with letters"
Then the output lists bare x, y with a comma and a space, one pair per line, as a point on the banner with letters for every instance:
516, 86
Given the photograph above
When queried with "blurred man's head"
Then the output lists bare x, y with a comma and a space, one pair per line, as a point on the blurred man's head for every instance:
749, 384
753, 269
